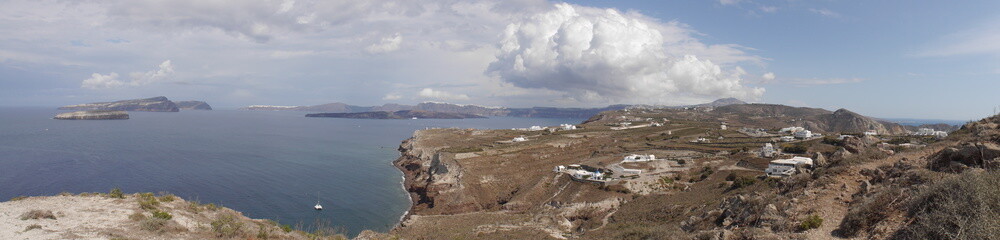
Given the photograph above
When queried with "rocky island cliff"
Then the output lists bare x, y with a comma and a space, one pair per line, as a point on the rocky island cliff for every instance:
403, 114
93, 115
154, 104
193, 105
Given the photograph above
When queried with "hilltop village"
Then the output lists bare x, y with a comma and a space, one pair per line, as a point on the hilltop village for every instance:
746, 171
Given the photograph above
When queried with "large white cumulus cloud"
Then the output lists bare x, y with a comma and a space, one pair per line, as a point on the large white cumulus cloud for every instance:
101, 81
596, 54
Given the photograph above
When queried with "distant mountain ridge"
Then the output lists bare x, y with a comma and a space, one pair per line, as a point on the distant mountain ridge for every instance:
815, 119
401, 114
539, 112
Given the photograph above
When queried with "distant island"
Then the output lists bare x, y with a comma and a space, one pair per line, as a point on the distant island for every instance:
93, 115
155, 104
193, 105
404, 114
534, 112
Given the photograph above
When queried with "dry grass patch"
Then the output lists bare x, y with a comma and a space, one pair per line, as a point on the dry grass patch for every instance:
38, 214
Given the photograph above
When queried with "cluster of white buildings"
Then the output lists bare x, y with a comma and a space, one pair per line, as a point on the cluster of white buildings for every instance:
791, 130
519, 139
787, 167
930, 132
567, 126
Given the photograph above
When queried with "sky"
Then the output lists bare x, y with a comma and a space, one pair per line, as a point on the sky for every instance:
892, 59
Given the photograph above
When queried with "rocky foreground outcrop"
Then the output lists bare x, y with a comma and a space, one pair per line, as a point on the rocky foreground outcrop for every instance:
93, 115
155, 104
133, 216
193, 105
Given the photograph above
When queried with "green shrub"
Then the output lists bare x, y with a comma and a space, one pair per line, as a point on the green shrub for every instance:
227, 226
731, 177
116, 193
286, 228
263, 232
740, 182
148, 204
18, 198
811, 222
168, 198
163, 215
795, 148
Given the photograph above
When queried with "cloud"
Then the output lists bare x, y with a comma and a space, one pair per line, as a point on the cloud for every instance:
393, 96
769, 9
101, 81
981, 40
441, 95
387, 44
825, 12
767, 77
593, 54
729, 2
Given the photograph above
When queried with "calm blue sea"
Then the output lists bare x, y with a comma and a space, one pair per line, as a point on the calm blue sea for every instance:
272, 165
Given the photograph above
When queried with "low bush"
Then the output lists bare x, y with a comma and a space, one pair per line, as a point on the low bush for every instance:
863, 215
162, 215
137, 216
811, 222
740, 182
116, 193
38, 214
18, 198
167, 198
795, 148
152, 224
963, 207
227, 226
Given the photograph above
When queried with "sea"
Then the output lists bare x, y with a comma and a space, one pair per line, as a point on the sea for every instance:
265, 164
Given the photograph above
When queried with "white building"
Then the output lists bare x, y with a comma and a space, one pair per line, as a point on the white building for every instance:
804, 134
787, 138
792, 129
768, 150
639, 158
930, 132
723, 127
519, 139
871, 133
566, 126
536, 128
786, 167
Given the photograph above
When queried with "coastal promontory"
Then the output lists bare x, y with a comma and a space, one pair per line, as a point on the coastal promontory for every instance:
193, 105
404, 114
155, 104
93, 115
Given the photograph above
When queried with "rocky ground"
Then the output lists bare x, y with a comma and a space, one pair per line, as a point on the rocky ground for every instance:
133, 216
469, 183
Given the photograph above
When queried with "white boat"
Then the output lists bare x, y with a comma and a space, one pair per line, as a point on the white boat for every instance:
318, 207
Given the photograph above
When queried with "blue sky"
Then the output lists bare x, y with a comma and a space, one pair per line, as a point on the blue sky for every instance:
931, 59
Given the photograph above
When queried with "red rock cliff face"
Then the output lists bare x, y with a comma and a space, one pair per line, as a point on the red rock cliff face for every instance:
432, 179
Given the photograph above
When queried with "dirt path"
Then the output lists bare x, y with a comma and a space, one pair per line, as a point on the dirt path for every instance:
831, 201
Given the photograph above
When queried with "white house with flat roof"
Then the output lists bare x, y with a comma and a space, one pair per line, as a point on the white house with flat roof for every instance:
566, 126
804, 134
787, 167
519, 139
639, 158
